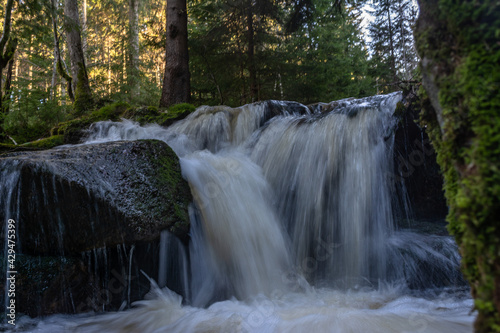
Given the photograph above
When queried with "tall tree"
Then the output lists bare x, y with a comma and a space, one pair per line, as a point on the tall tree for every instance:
8, 46
58, 63
458, 44
251, 50
176, 81
82, 92
133, 54
394, 58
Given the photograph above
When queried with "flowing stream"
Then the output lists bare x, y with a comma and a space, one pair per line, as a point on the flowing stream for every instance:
292, 229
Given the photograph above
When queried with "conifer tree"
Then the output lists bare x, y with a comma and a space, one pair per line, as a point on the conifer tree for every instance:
176, 81
394, 58
82, 92
8, 47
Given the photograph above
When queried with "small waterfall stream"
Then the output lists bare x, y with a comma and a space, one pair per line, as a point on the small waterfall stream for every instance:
292, 229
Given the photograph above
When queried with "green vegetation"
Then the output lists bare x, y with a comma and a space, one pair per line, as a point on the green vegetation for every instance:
240, 52
72, 131
459, 44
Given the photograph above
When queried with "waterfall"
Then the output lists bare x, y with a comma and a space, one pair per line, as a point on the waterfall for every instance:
329, 173
293, 227
245, 244
314, 184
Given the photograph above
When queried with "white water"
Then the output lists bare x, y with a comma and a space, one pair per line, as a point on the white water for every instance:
292, 230
322, 310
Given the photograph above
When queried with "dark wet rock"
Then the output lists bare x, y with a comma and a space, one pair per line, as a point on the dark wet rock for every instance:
425, 226
76, 199
276, 108
415, 165
104, 279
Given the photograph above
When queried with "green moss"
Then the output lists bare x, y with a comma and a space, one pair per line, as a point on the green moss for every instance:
110, 112
465, 64
153, 115
83, 97
143, 115
7, 148
172, 202
168, 173
181, 108
46, 143
73, 130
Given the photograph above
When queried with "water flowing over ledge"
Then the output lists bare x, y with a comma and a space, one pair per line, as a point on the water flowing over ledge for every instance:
293, 226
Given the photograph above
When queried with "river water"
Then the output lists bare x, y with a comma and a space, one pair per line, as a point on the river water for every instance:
293, 229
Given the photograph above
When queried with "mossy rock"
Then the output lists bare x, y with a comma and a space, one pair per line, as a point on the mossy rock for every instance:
139, 112
166, 118
458, 44
110, 112
75, 130
72, 131
75, 199
46, 143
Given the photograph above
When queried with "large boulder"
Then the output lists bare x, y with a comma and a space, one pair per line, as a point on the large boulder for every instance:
71, 200
88, 221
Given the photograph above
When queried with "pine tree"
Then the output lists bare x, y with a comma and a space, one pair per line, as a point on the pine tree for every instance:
82, 93
176, 81
133, 71
8, 47
394, 58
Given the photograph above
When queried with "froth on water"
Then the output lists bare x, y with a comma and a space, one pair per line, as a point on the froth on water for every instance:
292, 228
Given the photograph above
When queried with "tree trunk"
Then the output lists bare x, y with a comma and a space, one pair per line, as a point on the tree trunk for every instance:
391, 44
7, 91
251, 53
53, 82
133, 72
84, 28
7, 46
176, 85
461, 75
82, 93
58, 65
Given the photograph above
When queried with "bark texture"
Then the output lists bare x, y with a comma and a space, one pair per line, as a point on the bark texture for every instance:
80, 82
458, 42
58, 64
133, 56
7, 46
176, 85
251, 53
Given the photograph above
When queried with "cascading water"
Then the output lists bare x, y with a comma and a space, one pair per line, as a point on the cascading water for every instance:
292, 229
329, 173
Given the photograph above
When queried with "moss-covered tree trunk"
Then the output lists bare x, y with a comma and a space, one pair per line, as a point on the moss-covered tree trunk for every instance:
58, 64
133, 70
8, 47
176, 82
458, 42
251, 52
80, 81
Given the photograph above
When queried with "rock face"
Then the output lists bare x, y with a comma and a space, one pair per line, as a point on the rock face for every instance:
458, 44
75, 199
88, 221
415, 165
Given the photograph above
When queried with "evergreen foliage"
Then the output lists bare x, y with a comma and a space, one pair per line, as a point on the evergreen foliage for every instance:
394, 58
240, 51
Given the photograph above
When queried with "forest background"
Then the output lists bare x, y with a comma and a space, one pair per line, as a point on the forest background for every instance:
240, 51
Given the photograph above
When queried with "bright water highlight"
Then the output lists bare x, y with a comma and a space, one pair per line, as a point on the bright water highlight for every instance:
292, 229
